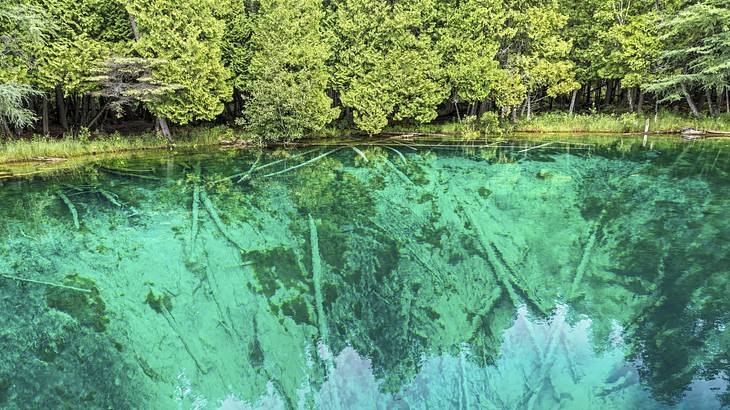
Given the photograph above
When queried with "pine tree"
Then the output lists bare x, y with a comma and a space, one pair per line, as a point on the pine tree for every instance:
697, 53
188, 37
387, 66
287, 78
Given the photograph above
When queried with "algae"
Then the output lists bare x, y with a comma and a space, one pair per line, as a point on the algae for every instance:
87, 308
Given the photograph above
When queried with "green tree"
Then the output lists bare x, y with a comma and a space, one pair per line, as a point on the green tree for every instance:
86, 32
469, 43
387, 65
287, 76
188, 37
538, 52
631, 47
696, 53
24, 28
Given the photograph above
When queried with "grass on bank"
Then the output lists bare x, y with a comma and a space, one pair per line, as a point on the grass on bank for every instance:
620, 123
562, 122
40, 147
18, 150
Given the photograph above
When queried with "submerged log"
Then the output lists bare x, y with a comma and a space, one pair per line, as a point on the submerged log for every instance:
71, 208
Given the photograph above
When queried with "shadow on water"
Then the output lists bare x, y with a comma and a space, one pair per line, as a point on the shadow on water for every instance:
395, 274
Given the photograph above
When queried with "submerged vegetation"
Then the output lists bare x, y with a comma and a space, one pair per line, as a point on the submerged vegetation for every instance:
285, 69
372, 274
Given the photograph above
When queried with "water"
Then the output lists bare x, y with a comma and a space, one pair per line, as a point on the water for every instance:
409, 275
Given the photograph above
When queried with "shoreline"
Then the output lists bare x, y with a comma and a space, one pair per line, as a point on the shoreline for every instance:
21, 167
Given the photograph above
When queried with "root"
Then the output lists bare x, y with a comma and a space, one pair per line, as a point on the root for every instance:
71, 208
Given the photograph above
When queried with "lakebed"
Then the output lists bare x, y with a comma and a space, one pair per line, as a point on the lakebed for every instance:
525, 273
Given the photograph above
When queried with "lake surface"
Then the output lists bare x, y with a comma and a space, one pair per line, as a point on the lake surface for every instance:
411, 274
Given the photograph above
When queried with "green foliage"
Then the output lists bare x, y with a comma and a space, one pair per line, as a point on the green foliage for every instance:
13, 99
87, 308
387, 66
635, 49
286, 69
541, 57
188, 37
85, 32
287, 77
697, 48
236, 47
469, 43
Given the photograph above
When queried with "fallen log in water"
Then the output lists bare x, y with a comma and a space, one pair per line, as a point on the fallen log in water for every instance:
217, 220
40, 282
71, 208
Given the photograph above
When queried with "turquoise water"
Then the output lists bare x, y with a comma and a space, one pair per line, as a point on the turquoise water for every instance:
396, 275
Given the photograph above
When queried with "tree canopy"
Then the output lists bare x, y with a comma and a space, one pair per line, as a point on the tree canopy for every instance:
284, 69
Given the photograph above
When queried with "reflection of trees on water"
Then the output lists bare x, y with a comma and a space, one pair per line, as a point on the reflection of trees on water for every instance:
542, 364
426, 255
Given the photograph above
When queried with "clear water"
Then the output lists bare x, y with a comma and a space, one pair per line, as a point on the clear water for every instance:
410, 275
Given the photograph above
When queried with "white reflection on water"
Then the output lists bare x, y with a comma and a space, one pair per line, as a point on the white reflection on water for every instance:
543, 365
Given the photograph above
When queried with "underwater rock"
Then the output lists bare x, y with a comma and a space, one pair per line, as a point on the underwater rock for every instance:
544, 174
87, 308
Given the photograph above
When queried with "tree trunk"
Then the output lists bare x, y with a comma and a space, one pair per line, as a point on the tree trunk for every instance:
483, 107
691, 103
529, 107
93, 108
640, 104
5, 129
719, 94
609, 92
573, 96
133, 23
630, 98
597, 98
709, 103
61, 108
164, 128
85, 103
727, 100
588, 95
44, 114
77, 111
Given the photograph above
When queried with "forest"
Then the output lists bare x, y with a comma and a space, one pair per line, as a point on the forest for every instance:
284, 69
